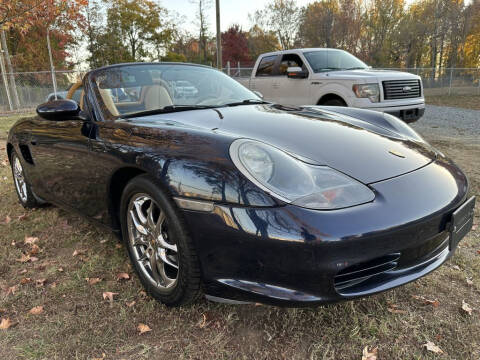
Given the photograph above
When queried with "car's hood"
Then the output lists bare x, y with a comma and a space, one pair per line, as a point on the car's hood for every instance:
366, 75
362, 150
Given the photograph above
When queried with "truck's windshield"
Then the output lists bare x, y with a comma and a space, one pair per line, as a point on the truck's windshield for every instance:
331, 60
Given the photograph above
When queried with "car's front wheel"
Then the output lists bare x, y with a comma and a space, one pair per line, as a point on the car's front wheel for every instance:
158, 244
22, 186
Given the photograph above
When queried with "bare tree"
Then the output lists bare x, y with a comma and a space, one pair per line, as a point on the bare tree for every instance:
202, 22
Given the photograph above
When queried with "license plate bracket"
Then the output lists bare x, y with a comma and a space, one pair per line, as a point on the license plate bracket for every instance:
462, 222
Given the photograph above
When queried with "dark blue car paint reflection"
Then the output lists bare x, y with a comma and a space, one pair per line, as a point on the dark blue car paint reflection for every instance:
253, 247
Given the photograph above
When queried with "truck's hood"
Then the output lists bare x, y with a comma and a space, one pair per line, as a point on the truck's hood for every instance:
366, 75
358, 148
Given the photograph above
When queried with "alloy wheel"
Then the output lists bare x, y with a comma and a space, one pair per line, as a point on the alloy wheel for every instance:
152, 247
19, 179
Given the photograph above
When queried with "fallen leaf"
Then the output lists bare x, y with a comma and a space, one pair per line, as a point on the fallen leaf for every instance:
142, 293
432, 347
109, 295
466, 307
456, 267
131, 303
118, 246
103, 241
369, 355
35, 249
5, 324
202, 323
469, 281
21, 217
60, 269
434, 303
7, 220
123, 276
2, 310
93, 281
24, 271
37, 310
30, 240
40, 282
100, 358
25, 281
53, 285
24, 258
33, 258
478, 251
11, 290
395, 309
142, 328
79, 252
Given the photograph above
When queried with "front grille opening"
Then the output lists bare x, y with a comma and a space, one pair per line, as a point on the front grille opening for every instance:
401, 89
358, 273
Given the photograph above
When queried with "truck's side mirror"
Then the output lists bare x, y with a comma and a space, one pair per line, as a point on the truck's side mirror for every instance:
295, 72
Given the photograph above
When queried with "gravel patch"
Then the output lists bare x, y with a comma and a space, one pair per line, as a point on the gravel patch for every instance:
444, 121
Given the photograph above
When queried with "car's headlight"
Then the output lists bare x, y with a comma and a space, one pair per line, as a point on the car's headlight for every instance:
371, 91
294, 181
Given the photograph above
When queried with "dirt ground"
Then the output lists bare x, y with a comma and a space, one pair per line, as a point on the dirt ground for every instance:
47, 254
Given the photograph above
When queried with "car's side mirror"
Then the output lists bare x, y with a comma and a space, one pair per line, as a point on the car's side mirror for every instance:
258, 93
295, 72
60, 110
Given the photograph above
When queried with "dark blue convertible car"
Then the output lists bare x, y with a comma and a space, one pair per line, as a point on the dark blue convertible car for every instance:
225, 195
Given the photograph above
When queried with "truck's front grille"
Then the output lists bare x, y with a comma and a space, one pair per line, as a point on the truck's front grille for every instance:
401, 89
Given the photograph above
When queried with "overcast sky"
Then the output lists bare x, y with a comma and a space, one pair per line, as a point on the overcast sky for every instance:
231, 12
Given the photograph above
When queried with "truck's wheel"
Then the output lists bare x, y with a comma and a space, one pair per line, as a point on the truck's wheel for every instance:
334, 102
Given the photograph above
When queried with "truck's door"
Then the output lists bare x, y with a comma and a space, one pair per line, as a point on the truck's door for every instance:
291, 91
263, 79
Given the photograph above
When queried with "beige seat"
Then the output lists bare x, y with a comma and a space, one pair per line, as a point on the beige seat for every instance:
108, 101
156, 97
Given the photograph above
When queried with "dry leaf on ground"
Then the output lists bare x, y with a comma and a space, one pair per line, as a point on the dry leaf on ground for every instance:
35, 249
30, 240
395, 309
466, 307
369, 355
109, 295
123, 276
11, 290
93, 281
434, 303
24, 258
25, 281
37, 310
469, 281
432, 347
131, 303
7, 220
5, 324
79, 252
142, 328
40, 282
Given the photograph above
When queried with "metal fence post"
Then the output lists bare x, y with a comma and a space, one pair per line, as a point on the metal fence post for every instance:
5, 82
450, 83
228, 68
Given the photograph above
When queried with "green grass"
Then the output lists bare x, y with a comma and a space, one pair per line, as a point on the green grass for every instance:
78, 324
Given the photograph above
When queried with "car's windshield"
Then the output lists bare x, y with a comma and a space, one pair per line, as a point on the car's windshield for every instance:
328, 60
139, 88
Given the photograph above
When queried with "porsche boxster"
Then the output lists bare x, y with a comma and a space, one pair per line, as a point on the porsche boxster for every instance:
223, 194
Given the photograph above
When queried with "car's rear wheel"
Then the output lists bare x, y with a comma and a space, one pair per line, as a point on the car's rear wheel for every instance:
22, 186
159, 247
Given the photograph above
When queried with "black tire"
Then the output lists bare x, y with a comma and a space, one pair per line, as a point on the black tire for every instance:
334, 102
28, 200
188, 286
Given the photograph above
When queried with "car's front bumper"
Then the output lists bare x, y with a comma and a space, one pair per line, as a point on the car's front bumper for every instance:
409, 110
294, 256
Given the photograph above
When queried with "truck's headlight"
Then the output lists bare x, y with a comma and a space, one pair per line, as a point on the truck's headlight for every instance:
371, 91
294, 181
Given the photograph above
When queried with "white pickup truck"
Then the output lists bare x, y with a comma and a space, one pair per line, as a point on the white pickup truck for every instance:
336, 78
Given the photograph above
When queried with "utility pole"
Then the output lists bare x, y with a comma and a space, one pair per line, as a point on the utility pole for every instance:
13, 86
52, 69
5, 82
219, 36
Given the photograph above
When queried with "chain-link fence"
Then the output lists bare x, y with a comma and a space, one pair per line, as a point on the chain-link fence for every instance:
25, 90
28, 89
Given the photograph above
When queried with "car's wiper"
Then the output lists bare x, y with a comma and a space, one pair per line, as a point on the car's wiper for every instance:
168, 109
246, 102
356, 68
